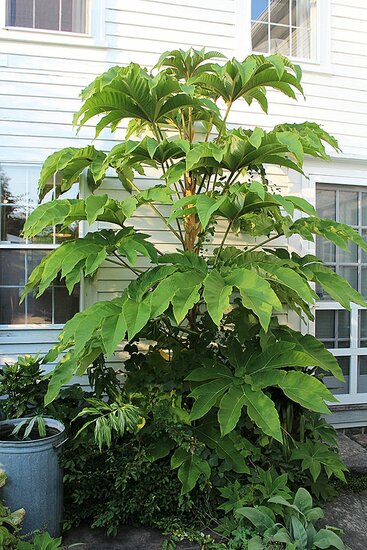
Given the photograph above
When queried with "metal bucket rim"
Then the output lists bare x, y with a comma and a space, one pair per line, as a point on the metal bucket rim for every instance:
50, 423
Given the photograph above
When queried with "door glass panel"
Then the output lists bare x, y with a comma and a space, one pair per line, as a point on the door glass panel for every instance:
348, 207
364, 209
326, 204
349, 256
350, 274
325, 250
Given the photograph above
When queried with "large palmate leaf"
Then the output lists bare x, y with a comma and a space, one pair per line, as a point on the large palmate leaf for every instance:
85, 255
134, 93
66, 211
69, 163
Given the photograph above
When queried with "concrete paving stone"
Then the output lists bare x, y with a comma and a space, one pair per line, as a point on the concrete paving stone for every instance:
128, 538
353, 454
349, 512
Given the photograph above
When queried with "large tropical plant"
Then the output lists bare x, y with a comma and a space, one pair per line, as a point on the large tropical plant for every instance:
211, 309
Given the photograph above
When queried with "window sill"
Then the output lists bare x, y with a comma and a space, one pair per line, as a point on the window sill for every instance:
31, 326
59, 38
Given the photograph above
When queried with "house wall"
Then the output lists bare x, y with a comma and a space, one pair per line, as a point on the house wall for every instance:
40, 81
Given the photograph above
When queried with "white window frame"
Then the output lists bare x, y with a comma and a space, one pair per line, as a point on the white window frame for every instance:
346, 179
322, 35
23, 246
93, 37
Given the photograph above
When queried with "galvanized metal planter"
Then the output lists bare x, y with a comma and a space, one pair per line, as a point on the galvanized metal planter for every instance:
34, 478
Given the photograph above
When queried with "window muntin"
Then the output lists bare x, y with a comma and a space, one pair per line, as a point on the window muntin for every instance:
344, 333
54, 15
18, 256
284, 27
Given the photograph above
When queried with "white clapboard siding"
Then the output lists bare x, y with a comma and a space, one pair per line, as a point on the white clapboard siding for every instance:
40, 85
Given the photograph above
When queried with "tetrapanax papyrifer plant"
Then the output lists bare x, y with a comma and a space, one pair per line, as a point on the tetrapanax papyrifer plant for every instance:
219, 356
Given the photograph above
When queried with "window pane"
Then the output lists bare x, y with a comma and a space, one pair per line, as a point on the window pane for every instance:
301, 42
259, 10
12, 219
260, 39
73, 15
12, 267
300, 13
325, 325
364, 208
20, 13
325, 250
47, 14
40, 310
13, 185
348, 207
333, 328
65, 306
364, 254
279, 12
362, 374
350, 274
336, 386
364, 281
326, 204
363, 328
11, 312
279, 40
349, 256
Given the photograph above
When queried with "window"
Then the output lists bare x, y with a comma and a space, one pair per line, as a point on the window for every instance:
286, 27
343, 332
18, 257
54, 15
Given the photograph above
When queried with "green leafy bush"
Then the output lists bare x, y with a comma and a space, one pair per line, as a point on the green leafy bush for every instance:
225, 392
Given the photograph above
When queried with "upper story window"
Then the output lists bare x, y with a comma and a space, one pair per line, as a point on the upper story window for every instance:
286, 27
53, 15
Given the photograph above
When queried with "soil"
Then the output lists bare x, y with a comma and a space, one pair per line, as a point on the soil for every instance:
6, 433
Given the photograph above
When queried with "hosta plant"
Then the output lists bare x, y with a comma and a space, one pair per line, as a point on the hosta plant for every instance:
293, 527
219, 355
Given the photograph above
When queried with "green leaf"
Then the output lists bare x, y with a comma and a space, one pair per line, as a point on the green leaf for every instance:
327, 539
207, 395
306, 390
206, 206
262, 411
216, 295
60, 376
256, 294
113, 331
257, 517
190, 468
224, 447
230, 408
183, 300
136, 314
94, 206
